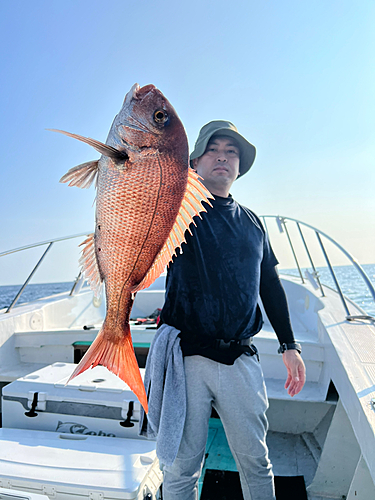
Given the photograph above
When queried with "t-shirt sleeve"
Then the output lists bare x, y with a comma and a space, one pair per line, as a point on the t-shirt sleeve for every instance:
269, 260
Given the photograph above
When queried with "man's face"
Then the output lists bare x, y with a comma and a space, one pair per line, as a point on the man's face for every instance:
219, 165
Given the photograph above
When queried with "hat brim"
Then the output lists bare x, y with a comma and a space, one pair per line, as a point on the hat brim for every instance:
248, 151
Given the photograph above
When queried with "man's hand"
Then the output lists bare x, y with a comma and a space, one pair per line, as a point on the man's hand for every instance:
296, 371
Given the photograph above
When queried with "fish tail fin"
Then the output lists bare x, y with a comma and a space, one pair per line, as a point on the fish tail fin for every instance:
118, 358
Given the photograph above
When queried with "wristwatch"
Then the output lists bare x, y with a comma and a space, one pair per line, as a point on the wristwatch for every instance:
287, 347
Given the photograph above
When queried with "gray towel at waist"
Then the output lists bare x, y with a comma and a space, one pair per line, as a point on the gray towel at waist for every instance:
166, 392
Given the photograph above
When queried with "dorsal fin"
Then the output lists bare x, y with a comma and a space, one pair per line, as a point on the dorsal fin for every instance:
191, 206
90, 266
82, 175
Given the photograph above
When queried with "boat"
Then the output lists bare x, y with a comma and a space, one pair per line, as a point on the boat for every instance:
321, 441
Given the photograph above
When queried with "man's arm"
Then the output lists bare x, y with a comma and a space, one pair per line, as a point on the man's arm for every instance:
275, 304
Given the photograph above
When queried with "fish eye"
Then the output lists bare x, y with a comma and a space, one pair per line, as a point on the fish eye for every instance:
161, 116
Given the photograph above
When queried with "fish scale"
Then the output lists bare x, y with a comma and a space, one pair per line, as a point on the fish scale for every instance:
147, 196
133, 222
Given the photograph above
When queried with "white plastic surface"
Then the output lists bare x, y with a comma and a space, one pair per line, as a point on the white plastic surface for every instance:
7, 494
94, 403
99, 380
87, 466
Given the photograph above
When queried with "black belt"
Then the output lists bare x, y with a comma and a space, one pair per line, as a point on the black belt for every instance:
244, 345
221, 344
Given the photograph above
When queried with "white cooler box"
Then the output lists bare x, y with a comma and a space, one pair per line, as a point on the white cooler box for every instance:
6, 494
79, 467
95, 403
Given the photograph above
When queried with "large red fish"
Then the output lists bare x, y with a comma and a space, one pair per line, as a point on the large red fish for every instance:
146, 198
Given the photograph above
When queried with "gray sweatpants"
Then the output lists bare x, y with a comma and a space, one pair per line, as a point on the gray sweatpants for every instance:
238, 394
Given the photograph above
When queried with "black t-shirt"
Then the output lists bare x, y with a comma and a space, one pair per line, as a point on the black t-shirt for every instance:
212, 288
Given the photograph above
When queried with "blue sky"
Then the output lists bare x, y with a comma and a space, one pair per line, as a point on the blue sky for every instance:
296, 78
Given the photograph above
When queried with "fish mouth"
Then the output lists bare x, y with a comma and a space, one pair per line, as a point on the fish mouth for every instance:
143, 91
131, 94
137, 92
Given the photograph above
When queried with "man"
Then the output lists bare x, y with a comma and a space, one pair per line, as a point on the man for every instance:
212, 295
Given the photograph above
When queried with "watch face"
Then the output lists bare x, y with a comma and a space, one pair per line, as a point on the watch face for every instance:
282, 348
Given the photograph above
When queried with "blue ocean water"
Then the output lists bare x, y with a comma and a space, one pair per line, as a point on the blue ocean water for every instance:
32, 292
350, 281
348, 277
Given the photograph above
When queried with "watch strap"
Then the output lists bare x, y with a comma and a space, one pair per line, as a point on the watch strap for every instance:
286, 347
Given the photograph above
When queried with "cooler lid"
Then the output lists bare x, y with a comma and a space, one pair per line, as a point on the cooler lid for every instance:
95, 385
7, 494
75, 464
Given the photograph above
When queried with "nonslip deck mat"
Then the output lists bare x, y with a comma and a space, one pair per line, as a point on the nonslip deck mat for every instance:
290, 488
221, 485
225, 485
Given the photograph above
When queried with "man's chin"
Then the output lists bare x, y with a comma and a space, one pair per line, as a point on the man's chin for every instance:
223, 178
218, 184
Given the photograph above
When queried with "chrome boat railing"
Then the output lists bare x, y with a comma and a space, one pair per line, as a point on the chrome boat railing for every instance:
282, 226
49, 244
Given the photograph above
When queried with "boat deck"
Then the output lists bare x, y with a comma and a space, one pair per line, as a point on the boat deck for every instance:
290, 455
337, 352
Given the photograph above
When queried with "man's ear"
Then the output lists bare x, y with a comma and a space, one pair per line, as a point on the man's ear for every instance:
195, 163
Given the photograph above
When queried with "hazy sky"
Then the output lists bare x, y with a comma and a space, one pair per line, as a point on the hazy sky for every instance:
296, 77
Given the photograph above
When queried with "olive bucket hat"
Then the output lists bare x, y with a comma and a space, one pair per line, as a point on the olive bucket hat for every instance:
224, 128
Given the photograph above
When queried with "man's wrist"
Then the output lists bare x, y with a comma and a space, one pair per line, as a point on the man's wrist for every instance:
289, 346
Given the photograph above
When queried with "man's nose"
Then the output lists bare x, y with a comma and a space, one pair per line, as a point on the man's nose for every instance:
221, 156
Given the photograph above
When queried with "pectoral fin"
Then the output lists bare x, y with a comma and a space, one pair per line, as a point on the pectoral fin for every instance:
90, 265
191, 206
104, 149
82, 175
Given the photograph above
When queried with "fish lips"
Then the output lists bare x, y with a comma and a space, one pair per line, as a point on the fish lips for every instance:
143, 91
137, 92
